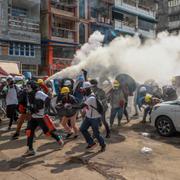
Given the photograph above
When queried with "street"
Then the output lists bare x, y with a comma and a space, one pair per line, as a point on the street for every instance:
122, 160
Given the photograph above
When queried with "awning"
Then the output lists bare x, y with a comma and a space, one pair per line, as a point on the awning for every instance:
10, 68
3, 73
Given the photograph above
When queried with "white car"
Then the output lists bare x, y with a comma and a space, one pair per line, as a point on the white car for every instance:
166, 117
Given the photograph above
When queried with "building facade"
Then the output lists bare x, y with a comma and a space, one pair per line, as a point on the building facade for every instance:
174, 16
169, 16
20, 33
135, 17
59, 30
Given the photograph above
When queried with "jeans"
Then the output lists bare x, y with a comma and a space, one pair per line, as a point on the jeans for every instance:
147, 111
116, 111
94, 124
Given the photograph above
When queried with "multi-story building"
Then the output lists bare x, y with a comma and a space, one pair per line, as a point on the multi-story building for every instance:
135, 17
169, 16
174, 16
20, 33
162, 15
100, 14
67, 24
59, 20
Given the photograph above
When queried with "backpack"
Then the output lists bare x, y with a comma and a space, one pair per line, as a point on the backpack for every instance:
100, 108
20, 94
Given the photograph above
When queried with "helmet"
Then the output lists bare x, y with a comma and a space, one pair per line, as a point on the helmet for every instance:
148, 98
67, 83
116, 83
3, 80
86, 85
93, 81
39, 81
10, 78
65, 90
142, 89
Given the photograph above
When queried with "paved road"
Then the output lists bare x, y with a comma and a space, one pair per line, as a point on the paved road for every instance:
122, 160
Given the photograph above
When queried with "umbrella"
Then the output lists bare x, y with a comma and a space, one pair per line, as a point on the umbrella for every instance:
125, 79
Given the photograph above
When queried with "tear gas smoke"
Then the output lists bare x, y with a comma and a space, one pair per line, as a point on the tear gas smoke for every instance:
157, 59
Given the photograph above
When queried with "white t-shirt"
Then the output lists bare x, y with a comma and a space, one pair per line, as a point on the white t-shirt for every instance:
90, 111
11, 97
40, 95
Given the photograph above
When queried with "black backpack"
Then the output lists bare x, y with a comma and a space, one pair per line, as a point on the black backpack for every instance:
100, 108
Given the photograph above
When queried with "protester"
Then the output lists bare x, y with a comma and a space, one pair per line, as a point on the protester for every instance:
92, 118
149, 102
37, 108
23, 110
117, 101
66, 103
101, 95
11, 101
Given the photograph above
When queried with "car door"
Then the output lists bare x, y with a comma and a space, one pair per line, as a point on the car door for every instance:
177, 117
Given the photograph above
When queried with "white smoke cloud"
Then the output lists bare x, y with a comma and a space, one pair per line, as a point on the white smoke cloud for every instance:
155, 59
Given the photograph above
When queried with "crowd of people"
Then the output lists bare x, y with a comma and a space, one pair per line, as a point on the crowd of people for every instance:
83, 99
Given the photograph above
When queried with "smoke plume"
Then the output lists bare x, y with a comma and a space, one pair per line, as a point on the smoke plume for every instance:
154, 59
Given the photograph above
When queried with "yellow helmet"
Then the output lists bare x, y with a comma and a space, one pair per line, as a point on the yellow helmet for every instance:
148, 98
65, 90
116, 83
39, 81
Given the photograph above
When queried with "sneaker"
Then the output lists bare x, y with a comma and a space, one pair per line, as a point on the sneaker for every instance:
68, 135
91, 146
29, 152
15, 136
61, 143
103, 148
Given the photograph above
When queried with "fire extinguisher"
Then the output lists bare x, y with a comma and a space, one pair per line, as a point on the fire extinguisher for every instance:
48, 121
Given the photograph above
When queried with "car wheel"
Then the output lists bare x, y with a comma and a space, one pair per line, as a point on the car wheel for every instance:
164, 126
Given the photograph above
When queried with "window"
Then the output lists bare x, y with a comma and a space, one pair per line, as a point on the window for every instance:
18, 12
82, 8
21, 49
81, 33
27, 50
11, 49
63, 52
32, 50
17, 49
173, 3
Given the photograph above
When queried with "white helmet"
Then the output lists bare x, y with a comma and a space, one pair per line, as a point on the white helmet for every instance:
86, 85
106, 82
67, 83
142, 89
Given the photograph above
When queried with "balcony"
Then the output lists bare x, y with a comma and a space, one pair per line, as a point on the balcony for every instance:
125, 27
62, 34
63, 8
174, 25
23, 24
174, 10
130, 28
134, 8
